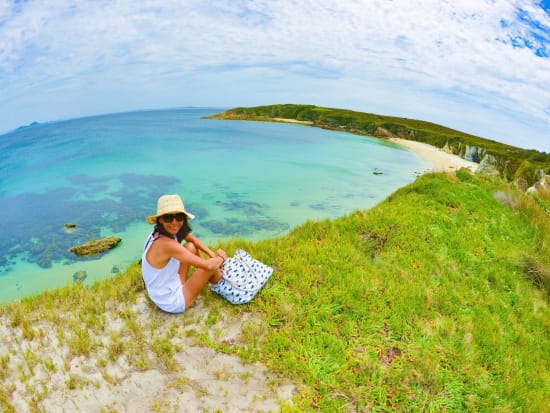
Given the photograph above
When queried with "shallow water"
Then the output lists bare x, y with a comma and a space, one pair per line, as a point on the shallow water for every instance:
104, 174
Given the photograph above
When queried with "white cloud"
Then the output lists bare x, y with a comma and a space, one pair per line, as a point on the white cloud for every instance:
72, 58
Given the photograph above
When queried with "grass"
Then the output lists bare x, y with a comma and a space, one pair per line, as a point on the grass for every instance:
420, 304
436, 299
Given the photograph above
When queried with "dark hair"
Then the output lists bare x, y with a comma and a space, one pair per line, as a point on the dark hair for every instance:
184, 231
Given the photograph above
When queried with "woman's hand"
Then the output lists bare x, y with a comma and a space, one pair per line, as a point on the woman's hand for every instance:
222, 254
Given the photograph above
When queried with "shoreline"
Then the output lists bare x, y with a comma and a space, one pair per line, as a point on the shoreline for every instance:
441, 161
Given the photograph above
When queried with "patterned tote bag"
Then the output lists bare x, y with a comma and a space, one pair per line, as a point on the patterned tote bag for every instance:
243, 277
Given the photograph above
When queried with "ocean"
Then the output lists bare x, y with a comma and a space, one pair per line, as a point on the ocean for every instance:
104, 174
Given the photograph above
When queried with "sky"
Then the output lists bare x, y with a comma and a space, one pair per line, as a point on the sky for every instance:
479, 66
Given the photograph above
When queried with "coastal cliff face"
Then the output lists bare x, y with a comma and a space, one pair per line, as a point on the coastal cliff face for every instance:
488, 163
402, 133
541, 186
474, 153
522, 173
488, 166
469, 152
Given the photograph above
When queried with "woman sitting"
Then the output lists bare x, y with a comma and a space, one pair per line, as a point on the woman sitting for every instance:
166, 262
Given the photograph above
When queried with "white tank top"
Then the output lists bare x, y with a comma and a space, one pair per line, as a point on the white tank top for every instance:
163, 284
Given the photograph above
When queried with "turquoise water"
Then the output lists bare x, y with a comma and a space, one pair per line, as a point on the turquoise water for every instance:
250, 180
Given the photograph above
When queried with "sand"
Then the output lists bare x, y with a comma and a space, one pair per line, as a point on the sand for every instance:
42, 373
441, 161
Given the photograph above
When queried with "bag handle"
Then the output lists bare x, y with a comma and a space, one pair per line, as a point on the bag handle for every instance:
255, 276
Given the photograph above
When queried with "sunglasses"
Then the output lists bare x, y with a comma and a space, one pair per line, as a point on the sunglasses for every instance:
167, 218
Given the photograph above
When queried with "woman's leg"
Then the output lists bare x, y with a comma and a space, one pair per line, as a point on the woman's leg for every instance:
184, 268
195, 284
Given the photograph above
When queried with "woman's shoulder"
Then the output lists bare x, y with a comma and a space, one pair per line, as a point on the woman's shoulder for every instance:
164, 247
167, 242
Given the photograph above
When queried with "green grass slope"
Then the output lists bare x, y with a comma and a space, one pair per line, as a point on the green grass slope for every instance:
437, 299
424, 303
513, 163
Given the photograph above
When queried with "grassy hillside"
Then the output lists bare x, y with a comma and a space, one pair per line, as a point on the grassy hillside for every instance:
426, 302
435, 300
512, 162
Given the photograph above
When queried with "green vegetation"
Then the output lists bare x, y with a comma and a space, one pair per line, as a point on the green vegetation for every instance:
437, 299
515, 164
423, 303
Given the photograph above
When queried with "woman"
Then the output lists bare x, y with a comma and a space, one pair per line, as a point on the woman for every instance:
166, 262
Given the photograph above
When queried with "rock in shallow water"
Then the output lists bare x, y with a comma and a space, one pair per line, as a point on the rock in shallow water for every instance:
80, 276
96, 246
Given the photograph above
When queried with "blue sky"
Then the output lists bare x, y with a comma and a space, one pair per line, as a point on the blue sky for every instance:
481, 66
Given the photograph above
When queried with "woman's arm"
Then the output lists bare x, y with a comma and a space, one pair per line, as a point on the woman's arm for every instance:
203, 247
169, 248
199, 244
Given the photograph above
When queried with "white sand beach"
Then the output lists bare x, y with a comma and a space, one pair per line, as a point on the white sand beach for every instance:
442, 161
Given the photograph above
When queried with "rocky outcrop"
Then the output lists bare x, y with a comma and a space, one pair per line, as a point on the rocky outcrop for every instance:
468, 152
488, 166
473, 153
541, 186
69, 228
383, 133
96, 246
80, 276
395, 132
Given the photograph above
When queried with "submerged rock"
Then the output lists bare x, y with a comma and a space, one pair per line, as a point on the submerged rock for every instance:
96, 246
80, 276
70, 228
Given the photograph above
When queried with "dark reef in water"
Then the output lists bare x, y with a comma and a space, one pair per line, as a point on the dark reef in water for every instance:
246, 207
243, 227
36, 221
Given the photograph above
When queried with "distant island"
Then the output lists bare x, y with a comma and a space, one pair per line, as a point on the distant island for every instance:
524, 167
30, 125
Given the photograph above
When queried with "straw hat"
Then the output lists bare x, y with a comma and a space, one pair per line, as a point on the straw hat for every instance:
169, 204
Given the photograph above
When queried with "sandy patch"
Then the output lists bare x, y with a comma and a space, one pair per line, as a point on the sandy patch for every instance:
441, 161
123, 372
285, 120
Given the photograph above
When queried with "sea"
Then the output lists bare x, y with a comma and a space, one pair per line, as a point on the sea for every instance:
67, 182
